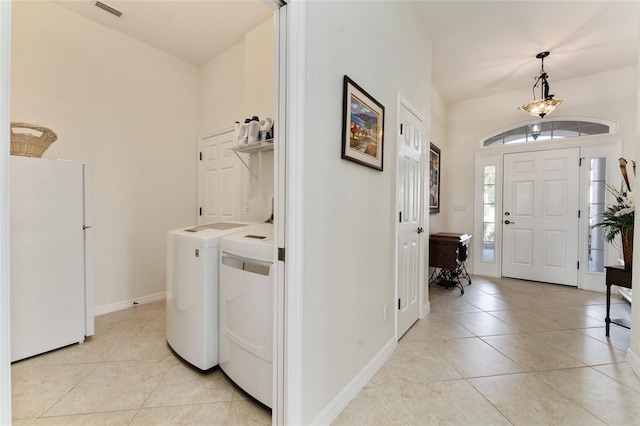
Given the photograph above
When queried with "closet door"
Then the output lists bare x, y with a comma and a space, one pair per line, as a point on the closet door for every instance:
219, 178
410, 250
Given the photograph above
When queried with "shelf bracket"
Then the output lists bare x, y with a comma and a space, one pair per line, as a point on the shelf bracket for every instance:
245, 164
252, 149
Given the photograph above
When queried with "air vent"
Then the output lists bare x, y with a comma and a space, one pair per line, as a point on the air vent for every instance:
106, 7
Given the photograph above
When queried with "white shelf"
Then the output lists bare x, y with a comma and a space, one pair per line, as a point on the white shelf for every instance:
262, 146
255, 147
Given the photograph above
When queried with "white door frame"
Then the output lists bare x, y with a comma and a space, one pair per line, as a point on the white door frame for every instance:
5, 336
590, 146
289, 210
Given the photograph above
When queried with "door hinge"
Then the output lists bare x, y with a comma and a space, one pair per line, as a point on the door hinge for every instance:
401, 129
578, 264
400, 219
200, 211
399, 305
200, 156
580, 161
578, 213
281, 253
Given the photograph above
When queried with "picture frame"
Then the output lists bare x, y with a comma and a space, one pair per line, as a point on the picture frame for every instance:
363, 127
434, 179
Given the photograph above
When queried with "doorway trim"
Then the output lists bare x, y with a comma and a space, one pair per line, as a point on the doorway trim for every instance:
289, 212
607, 145
5, 337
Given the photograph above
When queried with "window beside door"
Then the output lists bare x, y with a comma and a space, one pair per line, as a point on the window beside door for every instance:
597, 205
489, 214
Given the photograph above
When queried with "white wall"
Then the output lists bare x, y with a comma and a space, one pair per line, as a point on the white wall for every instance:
259, 99
222, 90
438, 138
130, 110
259, 71
349, 209
609, 95
239, 84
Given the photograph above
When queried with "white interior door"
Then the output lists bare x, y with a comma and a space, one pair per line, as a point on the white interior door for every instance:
219, 178
541, 216
410, 261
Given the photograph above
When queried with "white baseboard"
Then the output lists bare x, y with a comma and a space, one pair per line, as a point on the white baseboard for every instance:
426, 308
118, 306
339, 403
633, 361
601, 288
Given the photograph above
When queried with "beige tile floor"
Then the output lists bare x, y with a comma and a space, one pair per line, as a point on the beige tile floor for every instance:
505, 352
126, 375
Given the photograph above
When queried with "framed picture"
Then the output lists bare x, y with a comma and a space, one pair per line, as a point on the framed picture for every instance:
434, 179
363, 127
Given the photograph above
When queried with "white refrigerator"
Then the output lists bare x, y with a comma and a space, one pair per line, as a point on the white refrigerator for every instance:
50, 255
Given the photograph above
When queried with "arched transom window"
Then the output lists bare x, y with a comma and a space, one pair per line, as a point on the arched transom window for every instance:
548, 130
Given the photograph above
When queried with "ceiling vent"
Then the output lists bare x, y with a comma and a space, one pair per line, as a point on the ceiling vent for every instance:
110, 9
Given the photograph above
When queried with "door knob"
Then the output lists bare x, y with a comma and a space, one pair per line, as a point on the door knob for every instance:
508, 222
420, 230
507, 213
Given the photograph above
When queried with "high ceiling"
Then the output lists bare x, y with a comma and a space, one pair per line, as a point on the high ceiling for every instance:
485, 47
479, 47
193, 30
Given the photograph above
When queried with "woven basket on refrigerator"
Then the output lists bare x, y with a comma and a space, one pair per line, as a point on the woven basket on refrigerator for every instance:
29, 145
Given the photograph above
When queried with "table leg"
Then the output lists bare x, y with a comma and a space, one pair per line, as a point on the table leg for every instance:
607, 320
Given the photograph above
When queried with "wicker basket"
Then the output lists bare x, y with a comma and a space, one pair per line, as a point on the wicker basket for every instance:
29, 145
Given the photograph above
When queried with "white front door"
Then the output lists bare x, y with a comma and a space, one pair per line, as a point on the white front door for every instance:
411, 143
541, 216
219, 178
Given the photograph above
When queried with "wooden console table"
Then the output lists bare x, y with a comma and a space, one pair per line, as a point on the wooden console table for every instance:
616, 275
447, 254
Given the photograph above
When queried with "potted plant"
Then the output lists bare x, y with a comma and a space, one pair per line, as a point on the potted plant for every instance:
618, 218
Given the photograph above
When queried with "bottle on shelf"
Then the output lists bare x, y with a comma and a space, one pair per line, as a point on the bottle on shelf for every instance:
243, 134
263, 133
254, 130
268, 128
265, 129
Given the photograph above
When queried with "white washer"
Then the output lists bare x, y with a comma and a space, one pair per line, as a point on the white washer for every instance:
247, 289
192, 291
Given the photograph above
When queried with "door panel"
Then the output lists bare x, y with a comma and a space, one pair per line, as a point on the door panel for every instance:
540, 218
554, 255
523, 253
219, 179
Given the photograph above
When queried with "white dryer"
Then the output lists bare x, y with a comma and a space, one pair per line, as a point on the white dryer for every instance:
247, 297
192, 291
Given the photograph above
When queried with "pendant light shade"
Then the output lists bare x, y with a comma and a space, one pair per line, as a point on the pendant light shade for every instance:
547, 102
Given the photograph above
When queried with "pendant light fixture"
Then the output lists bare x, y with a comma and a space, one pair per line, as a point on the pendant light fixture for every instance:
547, 102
